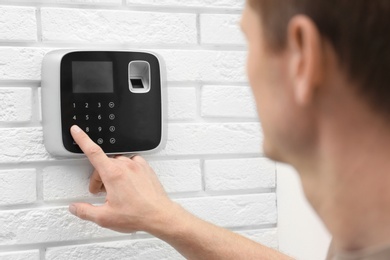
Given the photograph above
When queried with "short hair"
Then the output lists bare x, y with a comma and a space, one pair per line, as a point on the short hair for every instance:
358, 30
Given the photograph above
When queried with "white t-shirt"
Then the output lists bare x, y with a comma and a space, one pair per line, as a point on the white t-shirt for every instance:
376, 253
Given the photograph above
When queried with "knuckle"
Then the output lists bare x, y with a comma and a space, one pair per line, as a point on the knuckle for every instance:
131, 165
114, 172
139, 159
102, 221
82, 213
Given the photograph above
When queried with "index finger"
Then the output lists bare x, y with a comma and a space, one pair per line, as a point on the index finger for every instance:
93, 151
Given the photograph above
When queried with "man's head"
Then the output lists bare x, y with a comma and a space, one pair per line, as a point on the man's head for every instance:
358, 30
296, 43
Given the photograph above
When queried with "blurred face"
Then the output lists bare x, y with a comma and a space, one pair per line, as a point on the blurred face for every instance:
287, 126
266, 76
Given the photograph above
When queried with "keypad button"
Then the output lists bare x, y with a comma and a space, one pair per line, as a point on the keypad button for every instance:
93, 118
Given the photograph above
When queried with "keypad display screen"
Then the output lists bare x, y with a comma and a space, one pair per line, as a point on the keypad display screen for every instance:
92, 77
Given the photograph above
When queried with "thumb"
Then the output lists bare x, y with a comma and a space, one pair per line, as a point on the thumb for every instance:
85, 211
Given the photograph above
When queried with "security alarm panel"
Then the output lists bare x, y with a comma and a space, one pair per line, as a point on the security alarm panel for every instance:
114, 96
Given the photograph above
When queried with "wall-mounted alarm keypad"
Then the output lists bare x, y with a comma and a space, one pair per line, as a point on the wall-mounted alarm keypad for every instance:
114, 96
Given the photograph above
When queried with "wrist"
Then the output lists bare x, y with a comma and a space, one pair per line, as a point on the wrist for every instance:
168, 222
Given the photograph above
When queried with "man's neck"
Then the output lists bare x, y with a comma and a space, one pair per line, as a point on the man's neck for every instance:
349, 183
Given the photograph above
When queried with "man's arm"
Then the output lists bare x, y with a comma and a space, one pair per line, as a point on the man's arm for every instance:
136, 201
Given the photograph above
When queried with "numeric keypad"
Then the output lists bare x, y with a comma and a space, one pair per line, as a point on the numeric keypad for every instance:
97, 119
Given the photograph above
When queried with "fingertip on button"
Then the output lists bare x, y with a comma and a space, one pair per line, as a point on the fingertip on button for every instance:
75, 129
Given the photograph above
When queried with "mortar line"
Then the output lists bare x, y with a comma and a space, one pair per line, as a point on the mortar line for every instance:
39, 184
64, 203
203, 174
35, 122
198, 95
65, 161
36, 107
75, 242
37, 83
130, 7
39, 24
42, 253
198, 29
254, 227
43, 246
124, 45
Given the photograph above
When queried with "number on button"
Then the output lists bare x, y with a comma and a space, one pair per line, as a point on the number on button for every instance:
87, 117
100, 117
100, 128
99, 105
86, 105
74, 117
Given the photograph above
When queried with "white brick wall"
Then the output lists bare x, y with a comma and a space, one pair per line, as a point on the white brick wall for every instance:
225, 175
221, 29
28, 255
233, 4
227, 101
80, 25
18, 186
16, 104
18, 23
212, 162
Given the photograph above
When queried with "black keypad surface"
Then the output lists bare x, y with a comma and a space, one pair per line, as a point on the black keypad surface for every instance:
119, 121
97, 119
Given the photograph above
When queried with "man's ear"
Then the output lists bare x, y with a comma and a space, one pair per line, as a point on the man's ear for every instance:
306, 59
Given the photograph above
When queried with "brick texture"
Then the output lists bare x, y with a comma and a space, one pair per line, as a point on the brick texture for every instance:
75, 25
192, 3
18, 24
16, 104
239, 174
18, 186
27, 255
221, 29
212, 162
227, 101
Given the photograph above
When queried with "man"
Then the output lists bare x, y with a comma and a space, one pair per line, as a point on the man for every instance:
320, 74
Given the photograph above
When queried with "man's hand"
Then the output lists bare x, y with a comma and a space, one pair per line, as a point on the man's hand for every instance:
135, 198
136, 201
